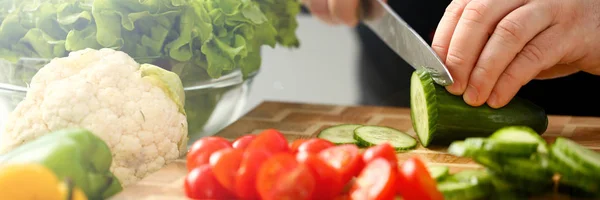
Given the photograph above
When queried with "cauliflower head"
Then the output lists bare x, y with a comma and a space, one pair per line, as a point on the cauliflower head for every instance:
137, 109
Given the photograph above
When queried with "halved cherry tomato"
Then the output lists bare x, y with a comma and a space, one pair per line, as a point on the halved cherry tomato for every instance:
375, 182
200, 152
282, 177
200, 183
384, 150
315, 145
225, 164
346, 159
271, 140
329, 180
245, 181
243, 142
294, 146
415, 183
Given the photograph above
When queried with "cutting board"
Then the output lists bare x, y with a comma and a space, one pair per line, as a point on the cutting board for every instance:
297, 120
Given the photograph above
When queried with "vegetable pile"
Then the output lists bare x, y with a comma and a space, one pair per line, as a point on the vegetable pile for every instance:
137, 109
265, 166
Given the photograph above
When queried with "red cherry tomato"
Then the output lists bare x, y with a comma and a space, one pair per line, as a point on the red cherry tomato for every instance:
384, 150
200, 183
282, 177
415, 183
270, 140
329, 180
243, 142
294, 146
346, 159
225, 164
315, 145
245, 183
375, 182
200, 152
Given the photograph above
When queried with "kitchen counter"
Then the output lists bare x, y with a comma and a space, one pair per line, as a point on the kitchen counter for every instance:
299, 120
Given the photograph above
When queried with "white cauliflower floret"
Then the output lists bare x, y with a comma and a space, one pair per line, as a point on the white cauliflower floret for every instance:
136, 109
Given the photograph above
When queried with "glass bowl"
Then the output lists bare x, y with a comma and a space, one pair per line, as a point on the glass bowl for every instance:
211, 104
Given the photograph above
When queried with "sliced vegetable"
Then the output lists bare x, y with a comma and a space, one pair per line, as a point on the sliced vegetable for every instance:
438, 172
340, 134
520, 134
375, 182
462, 190
572, 172
529, 175
200, 152
414, 181
314, 145
346, 159
368, 136
282, 177
384, 150
328, 179
474, 146
588, 159
201, 183
440, 117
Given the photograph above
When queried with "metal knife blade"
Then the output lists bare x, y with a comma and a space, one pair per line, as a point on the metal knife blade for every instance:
403, 39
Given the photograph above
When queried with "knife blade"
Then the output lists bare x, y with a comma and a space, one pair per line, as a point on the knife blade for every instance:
403, 39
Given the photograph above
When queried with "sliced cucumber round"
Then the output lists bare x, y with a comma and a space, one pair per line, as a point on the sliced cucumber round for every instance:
438, 172
340, 134
585, 157
374, 135
474, 146
520, 134
462, 190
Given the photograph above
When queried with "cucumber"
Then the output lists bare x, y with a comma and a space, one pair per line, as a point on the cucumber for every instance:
438, 172
340, 134
367, 136
467, 184
584, 157
521, 134
530, 175
439, 117
473, 146
572, 173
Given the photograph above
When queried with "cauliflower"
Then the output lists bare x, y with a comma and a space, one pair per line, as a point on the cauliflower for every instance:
136, 109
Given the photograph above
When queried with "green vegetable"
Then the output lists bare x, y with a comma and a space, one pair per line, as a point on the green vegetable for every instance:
467, 184
340, 134
438, 172
439, 117
375, 135
521, 134
575, 165
74, 153
199, 40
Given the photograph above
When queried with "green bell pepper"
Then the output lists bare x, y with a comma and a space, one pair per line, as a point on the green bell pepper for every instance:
76, 154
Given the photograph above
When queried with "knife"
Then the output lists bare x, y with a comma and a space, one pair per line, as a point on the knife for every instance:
403, 39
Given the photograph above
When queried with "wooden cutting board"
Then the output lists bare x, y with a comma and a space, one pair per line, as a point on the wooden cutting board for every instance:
306, 120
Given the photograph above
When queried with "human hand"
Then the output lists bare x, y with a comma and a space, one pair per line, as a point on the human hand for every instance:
492, 48
335, 11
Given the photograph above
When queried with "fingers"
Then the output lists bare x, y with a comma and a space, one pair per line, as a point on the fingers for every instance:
445, 29
557, 71
478, 19
334, 11
509, 37
541, 53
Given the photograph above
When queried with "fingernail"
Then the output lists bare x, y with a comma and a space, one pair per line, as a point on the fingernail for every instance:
471, 95
493, 100
454, 88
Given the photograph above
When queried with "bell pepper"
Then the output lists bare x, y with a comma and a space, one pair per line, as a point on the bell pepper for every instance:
74, 154
34, 181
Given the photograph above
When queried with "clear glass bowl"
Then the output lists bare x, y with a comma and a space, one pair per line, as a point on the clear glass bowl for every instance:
211, 104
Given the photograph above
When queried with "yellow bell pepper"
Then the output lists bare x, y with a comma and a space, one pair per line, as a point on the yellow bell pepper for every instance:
35, 182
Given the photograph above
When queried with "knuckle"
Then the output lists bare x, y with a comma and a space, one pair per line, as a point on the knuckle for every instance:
455, 59
474, 12
532, 53
509, 31
511, 78
455, 7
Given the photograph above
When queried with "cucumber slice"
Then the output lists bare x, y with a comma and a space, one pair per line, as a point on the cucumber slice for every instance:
462, 190
530, 175
440, 117
472, 176
572, 173
587, 158
374, 135
520, 134
340, 134
473, 146
438, 172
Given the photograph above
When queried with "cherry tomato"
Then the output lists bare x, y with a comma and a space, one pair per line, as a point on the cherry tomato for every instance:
375, 182
415, 183
245, 183
346, 159
282, 177
271, 140
200, 183
329, 180
294, 146
225, 164
384, 150
243, 142
315, 145
200, 152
